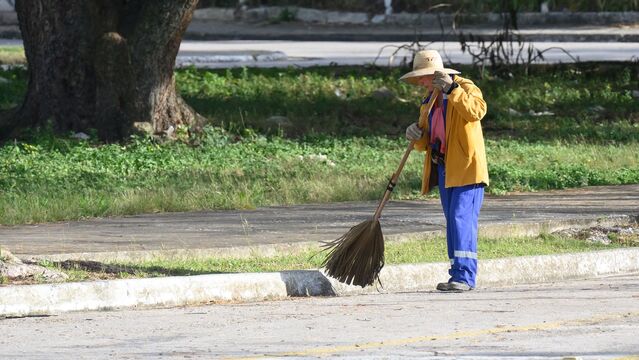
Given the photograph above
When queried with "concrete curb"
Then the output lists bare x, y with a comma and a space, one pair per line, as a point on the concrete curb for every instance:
390, 35
265, 23
230, 57
328, 17
34, 300
309, 15
319, 25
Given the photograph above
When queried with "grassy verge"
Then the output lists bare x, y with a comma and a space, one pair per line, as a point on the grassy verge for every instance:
71, 180
12, 55
341, 141
416, 251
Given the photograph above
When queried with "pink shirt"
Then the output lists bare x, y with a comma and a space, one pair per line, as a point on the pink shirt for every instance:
438, 131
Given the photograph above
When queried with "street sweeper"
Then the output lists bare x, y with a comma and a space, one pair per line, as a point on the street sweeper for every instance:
451, 136
450, 133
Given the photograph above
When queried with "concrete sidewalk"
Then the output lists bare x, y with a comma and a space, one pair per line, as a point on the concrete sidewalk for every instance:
275, 229
265, 23
201, 29
554, 27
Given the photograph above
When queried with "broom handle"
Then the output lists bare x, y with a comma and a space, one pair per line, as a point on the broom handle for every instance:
393, 180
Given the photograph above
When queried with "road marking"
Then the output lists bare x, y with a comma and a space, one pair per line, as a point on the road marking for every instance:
456, 335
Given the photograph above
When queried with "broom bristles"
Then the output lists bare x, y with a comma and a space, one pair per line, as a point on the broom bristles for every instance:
358, 256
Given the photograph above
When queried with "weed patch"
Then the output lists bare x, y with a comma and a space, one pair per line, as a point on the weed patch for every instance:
415, 251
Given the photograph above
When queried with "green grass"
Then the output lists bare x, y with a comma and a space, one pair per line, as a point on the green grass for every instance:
415, 251
66, 179
591, 102
12, 55
242, 161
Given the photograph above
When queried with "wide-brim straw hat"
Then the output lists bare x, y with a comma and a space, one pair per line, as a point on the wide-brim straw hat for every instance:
426, 62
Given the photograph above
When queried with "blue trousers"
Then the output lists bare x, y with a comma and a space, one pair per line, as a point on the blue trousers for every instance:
461, 208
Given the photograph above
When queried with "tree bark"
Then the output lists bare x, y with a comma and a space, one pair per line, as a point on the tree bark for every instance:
102, 64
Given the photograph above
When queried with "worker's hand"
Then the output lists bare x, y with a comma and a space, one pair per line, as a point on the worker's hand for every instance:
413, 132
442, 81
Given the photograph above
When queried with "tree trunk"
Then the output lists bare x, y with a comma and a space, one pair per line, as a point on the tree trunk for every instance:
102, 64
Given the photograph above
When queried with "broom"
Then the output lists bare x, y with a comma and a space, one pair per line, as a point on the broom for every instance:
358, 256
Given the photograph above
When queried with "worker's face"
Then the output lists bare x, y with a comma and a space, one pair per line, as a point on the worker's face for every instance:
427, 81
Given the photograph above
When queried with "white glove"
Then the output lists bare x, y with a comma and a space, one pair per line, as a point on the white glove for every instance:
413, 132
442, 81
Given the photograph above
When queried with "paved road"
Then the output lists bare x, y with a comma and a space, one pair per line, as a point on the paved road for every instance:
299, 31
312, 53
593, 319
306, 223
236, 53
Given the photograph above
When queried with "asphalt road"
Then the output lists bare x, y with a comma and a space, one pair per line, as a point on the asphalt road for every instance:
591, 319
312, 53
271, 53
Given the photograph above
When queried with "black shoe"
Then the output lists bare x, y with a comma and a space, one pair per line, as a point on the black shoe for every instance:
453, 286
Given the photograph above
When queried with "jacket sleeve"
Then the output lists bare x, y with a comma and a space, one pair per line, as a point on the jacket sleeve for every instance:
421, 144
468, 100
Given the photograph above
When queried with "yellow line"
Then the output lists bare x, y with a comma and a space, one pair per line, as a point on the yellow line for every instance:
456, 335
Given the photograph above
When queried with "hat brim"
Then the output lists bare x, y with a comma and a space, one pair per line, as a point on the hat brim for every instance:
413, 76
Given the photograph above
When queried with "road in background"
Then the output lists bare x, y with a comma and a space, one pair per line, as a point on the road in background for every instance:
312, 53
268, 53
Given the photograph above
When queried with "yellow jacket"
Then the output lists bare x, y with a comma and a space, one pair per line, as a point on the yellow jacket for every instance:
465, 153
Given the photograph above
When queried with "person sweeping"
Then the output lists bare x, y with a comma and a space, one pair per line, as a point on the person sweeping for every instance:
450, 133
455, 158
